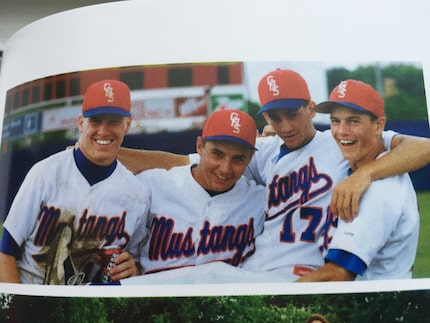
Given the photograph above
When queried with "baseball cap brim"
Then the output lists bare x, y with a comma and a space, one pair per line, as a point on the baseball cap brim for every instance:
326, 107
229, 138
292, 104
106, 110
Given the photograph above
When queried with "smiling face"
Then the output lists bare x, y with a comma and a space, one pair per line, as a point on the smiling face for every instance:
102, 136
221, 164
294, 126
357, 134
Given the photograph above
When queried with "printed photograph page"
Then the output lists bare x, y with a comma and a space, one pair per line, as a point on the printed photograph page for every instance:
183, 62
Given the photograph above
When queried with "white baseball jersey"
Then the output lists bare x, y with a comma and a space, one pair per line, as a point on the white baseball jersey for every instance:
189, 227
299, 187
381, 242
60, 221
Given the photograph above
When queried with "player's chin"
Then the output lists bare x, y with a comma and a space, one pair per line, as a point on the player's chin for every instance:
222, 185
103, 159
347, 149
292, 142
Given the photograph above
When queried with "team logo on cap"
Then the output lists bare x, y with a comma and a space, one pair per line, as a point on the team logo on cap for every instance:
342, 89
235, 122
273, 86
109, 92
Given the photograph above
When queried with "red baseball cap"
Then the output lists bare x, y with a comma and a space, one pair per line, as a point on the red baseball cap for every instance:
231, 125
282, 89
107, 97
356, 95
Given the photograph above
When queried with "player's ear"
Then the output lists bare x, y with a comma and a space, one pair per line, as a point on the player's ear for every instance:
80, 123
266, 117
311, 107
128, 124
380, 124
199, 145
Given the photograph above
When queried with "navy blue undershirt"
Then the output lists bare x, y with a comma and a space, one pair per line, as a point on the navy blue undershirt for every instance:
93, 173
283, 151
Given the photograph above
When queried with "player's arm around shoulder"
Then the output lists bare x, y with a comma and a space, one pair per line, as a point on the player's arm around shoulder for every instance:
407, 154
415, 151
137, 160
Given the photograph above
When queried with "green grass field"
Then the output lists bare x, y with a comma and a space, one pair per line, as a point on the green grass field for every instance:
422, 262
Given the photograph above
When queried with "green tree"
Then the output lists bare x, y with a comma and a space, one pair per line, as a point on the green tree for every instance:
57, 309
405, 306
336, 75
401, 85
253, 108
407, 100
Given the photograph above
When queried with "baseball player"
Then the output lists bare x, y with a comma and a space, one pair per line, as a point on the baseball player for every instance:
206, 212
77, 201
390, 234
